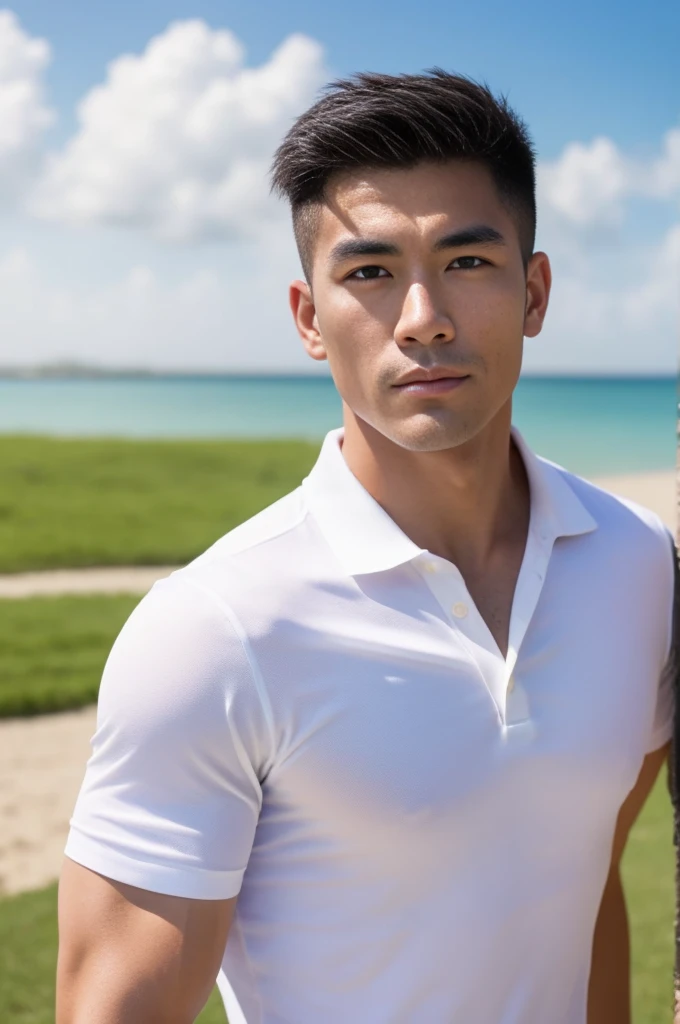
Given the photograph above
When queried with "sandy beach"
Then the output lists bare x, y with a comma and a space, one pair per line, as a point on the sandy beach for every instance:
654, 490
42, 759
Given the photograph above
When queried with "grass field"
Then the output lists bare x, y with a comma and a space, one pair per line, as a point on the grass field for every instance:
53, 649
28, 937
82, 502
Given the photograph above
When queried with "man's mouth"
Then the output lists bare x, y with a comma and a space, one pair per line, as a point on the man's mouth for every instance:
431, 382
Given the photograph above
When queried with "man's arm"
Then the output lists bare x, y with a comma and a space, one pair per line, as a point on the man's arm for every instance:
609, 990
130, 956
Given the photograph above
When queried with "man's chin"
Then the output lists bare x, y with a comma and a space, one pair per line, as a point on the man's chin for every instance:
429, 433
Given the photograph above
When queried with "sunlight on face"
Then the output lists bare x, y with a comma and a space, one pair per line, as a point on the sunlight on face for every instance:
414, 270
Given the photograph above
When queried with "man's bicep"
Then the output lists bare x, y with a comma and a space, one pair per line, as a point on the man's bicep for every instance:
128, 954
634, 802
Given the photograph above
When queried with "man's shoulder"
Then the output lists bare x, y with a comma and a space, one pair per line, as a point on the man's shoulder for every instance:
261, 562
621, 522
275, 523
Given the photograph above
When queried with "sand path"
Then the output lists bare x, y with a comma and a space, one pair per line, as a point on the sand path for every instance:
41, 767
42, 759
117, 580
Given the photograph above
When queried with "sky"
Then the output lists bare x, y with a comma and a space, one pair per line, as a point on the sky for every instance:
136, 224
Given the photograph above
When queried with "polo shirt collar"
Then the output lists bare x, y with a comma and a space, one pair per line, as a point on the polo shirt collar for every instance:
360, 532
366, 540
556, 509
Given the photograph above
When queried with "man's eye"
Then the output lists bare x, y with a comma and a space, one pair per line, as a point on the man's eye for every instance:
468, 262
369, 273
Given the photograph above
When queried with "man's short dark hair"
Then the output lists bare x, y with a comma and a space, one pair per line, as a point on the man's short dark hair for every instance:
398, 121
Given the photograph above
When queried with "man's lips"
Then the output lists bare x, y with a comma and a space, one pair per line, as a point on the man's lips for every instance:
432, 385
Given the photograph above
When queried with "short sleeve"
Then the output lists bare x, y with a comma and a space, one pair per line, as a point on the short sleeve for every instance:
171, 795
662, 729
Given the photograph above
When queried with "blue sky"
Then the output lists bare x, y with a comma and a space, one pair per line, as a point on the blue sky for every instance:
596, 82
574, 70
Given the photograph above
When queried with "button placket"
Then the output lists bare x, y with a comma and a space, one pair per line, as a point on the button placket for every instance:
527, 594
447, 585
461, 611
528, 591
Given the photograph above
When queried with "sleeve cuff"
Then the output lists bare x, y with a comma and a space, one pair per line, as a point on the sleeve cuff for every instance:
194, 883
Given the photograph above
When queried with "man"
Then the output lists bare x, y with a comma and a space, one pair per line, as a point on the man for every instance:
386, 740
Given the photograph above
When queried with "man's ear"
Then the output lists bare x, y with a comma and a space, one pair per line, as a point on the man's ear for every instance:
304, 315
539, 279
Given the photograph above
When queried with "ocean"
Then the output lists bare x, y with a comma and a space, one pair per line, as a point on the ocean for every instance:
591, 425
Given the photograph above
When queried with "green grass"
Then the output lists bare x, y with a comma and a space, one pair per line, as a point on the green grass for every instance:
84, 502
53, 649
28, 940
648, 876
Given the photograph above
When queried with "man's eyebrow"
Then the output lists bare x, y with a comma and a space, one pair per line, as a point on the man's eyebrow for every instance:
478, 234
350, 248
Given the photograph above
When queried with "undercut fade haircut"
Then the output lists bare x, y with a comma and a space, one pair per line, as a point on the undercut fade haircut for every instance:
398, 121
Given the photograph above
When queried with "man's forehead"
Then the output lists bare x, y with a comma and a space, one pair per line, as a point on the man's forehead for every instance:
435, 196
386, 184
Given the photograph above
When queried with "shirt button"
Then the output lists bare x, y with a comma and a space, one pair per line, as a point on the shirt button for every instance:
430, 567
460, 610
511, 684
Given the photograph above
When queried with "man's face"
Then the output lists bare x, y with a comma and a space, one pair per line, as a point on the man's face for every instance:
395, 293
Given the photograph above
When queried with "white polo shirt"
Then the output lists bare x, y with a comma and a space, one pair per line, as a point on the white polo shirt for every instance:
314, 715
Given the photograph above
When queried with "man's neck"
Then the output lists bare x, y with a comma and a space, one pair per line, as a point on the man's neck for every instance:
467, 504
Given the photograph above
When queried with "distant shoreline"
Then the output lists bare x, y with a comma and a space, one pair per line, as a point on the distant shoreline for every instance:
95, 373
74, 372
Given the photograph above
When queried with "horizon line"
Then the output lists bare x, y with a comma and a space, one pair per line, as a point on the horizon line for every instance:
83, 371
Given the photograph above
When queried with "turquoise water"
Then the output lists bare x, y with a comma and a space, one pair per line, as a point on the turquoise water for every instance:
590, 425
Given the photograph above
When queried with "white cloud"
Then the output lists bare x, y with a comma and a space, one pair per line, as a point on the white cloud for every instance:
586, 184
232, 313
590, 182
24, 115
615, 305
664, 180
176, 143
179, 139
624, 322
220, 315
659, 294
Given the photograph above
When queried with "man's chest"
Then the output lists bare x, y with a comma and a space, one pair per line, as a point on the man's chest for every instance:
397, 722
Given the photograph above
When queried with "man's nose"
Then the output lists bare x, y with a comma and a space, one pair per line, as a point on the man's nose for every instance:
422, 318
